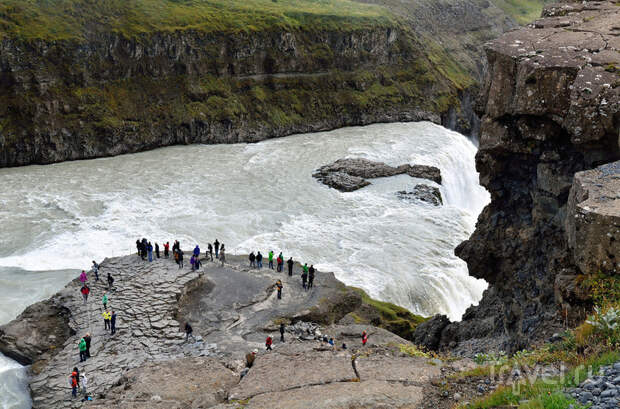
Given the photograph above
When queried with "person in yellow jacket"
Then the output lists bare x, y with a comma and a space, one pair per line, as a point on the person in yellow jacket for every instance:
106, 318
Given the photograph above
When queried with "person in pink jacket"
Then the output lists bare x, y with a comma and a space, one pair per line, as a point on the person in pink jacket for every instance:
83, 277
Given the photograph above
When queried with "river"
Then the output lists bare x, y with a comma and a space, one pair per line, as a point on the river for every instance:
58, 218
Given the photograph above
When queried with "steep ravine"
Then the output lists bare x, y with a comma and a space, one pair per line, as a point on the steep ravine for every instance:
551, 108
106, 93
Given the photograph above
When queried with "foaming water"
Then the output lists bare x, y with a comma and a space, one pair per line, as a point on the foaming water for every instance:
253, 196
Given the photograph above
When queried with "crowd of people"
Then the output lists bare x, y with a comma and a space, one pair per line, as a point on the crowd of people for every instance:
148, 252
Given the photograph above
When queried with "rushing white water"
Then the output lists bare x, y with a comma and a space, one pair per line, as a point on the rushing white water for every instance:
252, 196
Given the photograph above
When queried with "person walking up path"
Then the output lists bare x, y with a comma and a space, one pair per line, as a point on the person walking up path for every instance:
83, 277
110, 281
104, 300
87, 338
96, 270
106, 319
85, 291
189, 332
279, 286
268, 343
304, 275
290, 263
271, 259
73, 381
281, 332
113, 323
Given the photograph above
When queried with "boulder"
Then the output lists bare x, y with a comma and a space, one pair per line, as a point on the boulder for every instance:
424, 193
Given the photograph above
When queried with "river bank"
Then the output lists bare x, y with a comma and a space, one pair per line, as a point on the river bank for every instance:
232, 308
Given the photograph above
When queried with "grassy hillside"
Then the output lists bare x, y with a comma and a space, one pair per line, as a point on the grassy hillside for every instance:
75, 19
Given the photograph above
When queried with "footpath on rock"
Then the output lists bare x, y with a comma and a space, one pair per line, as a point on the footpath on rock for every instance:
232, 309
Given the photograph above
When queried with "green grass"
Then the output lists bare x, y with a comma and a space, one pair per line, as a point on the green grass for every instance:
523, 11
77, 19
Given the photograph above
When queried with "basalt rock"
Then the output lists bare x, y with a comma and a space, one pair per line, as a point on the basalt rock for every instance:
424, 193
349, 174
551, 109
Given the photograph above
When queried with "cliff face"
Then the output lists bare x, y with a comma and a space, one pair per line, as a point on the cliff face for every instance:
551, 108
107, 92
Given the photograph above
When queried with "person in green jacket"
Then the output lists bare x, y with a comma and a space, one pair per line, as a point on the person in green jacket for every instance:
271, 260
104, 300
82, 346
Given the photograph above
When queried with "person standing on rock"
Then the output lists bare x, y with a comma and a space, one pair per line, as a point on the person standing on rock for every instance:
279, 286
150, 251
85, 291
106, 319
216, 244
197, 263
364, 338
270, 259
139, 247
156, 250
311, 272
82, 347
222, 255
83, 277
281, 332
250, 358
87, 339
252, 259
290, 263
209, 252
196, 251
268, 343
144, 248
189, 332
110, 281
167, 249
259, 260
84, 384
104, 300
191, 261
96, 270
304, 276
280, 261
180, 253
113, 323
73, 381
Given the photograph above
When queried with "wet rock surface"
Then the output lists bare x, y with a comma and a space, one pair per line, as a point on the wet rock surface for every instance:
349, 174
601, 391
551, 109
424, 193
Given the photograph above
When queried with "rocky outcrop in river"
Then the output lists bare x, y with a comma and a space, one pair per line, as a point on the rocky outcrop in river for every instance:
551, 118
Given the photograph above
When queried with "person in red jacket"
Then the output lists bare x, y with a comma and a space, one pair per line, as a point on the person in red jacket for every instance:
73, 381
85, 291
364, 337
268, 343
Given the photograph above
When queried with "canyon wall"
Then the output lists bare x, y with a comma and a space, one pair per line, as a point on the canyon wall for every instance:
550, 135
101, 92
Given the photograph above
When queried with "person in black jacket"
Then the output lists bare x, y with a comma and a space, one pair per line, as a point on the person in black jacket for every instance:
156, 250
311, 271
189, 332
87, 339
252, 259
290, 266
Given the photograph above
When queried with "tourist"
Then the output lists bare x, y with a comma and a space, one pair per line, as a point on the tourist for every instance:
189, 332
156, 250
270, 259
106, 319
311, 271
191, 261
268, 343
210, 251
216, 244
196, 251
290, 263
176, 255
180, 254
252, 258
139, 247
96, 270
150, 251
281, 332
222, 255
87, 339
280, 263
104, 300
83, 277
167, 249
304, 278
73, 381
110, 281
331, 341
144, 248
344, 346
259, 260
82, 347
85, 291
113, 323
176, 246
84, 384
279, 285
250, 358
364, 337
197, 263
